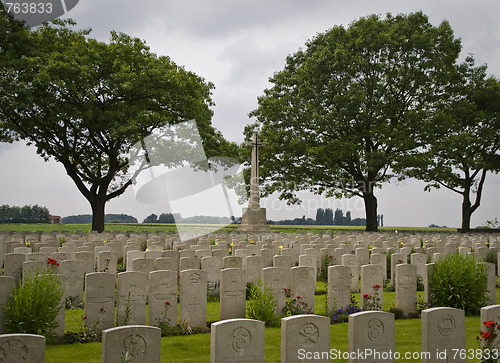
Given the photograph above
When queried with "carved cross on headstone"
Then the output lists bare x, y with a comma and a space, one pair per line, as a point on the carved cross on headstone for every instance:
100, 297
254, 202
195, 304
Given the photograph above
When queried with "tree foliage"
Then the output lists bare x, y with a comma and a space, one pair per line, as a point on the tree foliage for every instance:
463, 144
25, 214
85, 103
347, 108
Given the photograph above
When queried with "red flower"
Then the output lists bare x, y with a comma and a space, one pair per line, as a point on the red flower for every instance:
377, 286
167, 303
489, 324
486, 335
102, 309
284, 289
366, 296
298, 297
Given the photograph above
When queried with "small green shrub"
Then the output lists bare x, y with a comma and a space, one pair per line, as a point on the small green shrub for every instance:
420, 283
73, 302
398, 313
388, 255
120, 265
326, 261
85, 334
34, 305
262, 305
459, 281
295, 305
213, 295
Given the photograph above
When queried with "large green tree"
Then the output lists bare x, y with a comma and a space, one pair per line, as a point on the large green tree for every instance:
85, 103
464, 141
349, 106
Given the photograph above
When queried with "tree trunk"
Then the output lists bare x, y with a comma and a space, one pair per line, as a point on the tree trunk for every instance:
98, 214
370, 211
466, 215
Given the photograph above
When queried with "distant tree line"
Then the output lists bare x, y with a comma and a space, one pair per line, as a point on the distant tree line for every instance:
108, 218
326, 217
173, 218
162, 218
26, 214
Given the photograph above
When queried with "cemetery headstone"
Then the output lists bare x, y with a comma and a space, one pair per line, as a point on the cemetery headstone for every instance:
131, 298
100, 299
372, 332
163, 297
193, 298
6, 288
302, 334
443, 332
22, 348
133, 343
339, 286
406, 288
303, 286
237, 340
232, 293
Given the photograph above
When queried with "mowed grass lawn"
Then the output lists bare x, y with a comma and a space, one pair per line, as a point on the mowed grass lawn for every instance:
196, 348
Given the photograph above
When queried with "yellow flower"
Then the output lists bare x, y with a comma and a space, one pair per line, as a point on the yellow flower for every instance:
232, 244
106, 241
28, 244
281, 247
229, 250
147, 249
252, 242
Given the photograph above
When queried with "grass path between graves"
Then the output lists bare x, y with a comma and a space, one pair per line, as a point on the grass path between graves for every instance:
196, 348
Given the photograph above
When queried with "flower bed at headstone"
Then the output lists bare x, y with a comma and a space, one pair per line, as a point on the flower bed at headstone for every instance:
34, 305
459, 281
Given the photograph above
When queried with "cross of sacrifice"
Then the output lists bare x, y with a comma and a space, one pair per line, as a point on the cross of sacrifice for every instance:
254, 202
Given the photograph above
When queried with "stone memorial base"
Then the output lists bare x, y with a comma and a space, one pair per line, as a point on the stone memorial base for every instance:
254, 219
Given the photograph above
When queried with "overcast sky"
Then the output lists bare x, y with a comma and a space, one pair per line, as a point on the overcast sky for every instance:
238, 45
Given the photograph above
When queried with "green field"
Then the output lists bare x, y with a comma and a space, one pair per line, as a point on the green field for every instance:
153, 228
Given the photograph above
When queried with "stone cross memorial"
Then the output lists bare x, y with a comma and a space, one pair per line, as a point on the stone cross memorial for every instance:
254, 217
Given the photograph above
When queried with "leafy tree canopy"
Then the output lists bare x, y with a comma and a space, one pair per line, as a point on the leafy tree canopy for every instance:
463, 141
85, 103
352, 104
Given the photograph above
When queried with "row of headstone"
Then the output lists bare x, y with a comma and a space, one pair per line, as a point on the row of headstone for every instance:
340, 279
160, 288
371, 337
